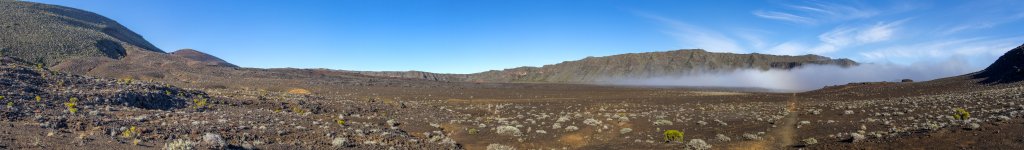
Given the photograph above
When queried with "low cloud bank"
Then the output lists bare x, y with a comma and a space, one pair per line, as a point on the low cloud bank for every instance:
808, 77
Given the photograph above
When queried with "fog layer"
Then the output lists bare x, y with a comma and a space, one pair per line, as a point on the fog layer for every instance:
808, 77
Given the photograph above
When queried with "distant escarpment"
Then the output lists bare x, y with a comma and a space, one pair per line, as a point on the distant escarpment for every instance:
633, 65
49, 34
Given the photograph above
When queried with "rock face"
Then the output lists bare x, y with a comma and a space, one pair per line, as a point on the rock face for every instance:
205, 59
634, 65
1007, 69
653, 64
41, 33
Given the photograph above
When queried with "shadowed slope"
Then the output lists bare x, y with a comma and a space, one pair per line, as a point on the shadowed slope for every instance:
42, 33
1007, 69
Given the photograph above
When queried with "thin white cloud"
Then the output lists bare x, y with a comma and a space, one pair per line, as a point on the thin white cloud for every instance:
784, 17
842, 37
817, 12
697, 37
978, 49
788, 48
984, 23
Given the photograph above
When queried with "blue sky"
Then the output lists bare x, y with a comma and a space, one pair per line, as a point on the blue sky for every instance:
478, 35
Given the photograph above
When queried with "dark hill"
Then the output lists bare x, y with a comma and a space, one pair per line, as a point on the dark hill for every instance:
205, 59
652, 64
1007, 69
42, 33
633, 65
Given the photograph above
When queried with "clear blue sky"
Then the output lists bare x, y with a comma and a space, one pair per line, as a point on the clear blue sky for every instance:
478, 35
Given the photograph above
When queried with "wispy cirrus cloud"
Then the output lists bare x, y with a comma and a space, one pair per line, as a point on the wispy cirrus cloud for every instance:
841, 37
981, 50
784, 17
813, 13
697, 37
983, 23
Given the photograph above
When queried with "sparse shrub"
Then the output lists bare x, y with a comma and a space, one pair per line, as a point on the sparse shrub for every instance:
508, 130
848, 112
341, 142
571, 128
749, 136
199, 102
341, 122
473, 131
698, 144
961, 114
130, 133
662, 122
673, 135
973, 126
10, 104
857, 137
214, 141
592, 122
499, 147
298, 109
180, 144
72, 105
38, 99
562, 119
1002, 118
722, 137
810, 141
625, 130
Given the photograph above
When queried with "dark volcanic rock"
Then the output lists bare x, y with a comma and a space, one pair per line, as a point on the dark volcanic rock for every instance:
42, 33
1007, 69
204, 58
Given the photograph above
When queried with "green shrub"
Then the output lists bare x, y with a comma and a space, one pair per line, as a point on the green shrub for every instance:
131, 132
961, 114
199, 102
673, 135
72, 105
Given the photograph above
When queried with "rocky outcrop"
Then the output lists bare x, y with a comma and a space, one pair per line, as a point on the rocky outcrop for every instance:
1007, 69
49, 34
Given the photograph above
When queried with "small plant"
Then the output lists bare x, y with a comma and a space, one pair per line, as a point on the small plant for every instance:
297, 109
167, 92
199, 102
72, 105
10, 104
673, 135
180, 144
130, 133
38, 98
473, 131
961, 114
125, 80
341, 122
